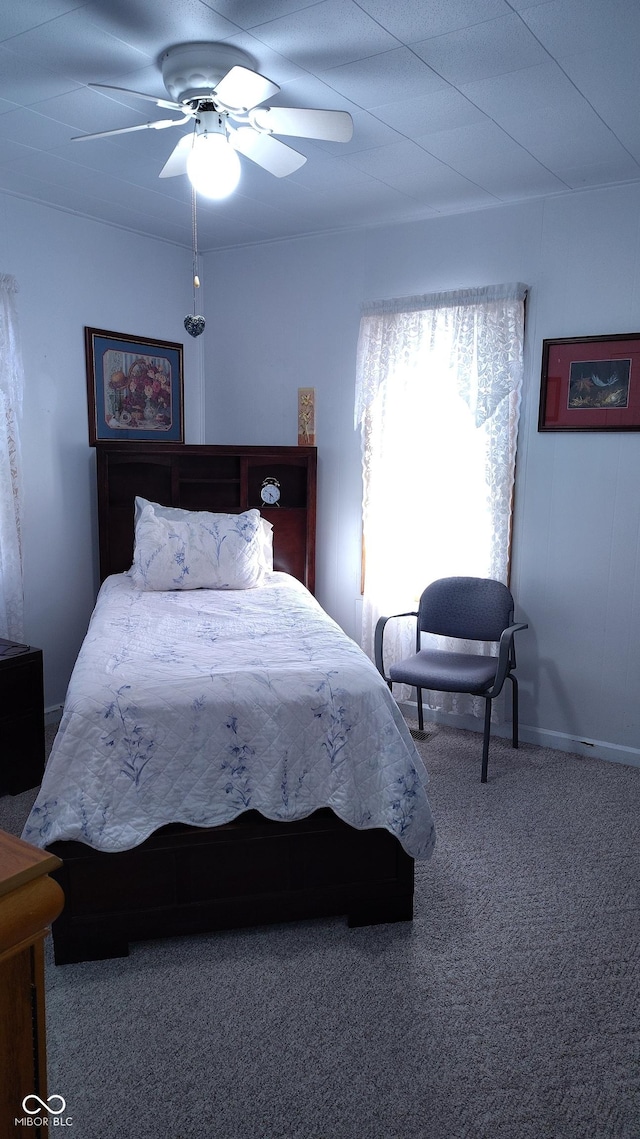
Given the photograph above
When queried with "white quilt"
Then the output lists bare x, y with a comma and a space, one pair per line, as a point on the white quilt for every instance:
195, 706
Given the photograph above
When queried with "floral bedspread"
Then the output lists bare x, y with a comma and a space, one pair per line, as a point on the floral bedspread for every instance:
195, 706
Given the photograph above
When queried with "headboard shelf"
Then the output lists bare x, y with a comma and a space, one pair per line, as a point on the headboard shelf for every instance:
213, 478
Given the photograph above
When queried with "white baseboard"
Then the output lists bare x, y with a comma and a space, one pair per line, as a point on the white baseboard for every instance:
53, 715
599, 749
543, 737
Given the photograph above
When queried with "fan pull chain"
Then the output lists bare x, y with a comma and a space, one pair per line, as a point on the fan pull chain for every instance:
194, 324
194, 218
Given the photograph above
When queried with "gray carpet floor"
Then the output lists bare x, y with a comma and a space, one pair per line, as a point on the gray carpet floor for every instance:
508, 1009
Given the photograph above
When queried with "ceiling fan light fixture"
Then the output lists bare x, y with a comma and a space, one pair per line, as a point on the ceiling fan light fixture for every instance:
213, 166
217, 87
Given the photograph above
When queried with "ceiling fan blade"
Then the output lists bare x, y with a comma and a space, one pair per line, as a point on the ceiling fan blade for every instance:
267, 151
158, 125
334, 126
166, 104
241, 89
177, 161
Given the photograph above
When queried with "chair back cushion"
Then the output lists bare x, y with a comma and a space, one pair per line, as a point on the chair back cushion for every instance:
470, 608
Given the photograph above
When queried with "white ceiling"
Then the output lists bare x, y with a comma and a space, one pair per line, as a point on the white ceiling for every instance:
457, 105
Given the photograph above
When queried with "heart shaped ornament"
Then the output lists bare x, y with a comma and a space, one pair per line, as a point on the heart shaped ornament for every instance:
194, 325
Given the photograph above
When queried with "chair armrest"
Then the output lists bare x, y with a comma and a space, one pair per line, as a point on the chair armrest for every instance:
504, 658
379, 637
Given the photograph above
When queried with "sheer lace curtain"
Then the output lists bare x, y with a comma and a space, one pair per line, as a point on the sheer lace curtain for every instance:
437, 401
11, 384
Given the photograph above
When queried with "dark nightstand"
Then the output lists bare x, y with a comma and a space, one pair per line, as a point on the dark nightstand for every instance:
21, 717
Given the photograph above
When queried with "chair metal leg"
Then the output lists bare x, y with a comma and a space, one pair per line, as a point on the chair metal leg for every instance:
514, 705
420, 712
485, 742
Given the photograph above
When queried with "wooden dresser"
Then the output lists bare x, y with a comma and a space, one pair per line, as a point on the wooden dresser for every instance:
29, 901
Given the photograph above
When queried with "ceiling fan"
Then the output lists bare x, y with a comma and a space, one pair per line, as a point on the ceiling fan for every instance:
216, 88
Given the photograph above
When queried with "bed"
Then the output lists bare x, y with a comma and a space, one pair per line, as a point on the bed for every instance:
227, 756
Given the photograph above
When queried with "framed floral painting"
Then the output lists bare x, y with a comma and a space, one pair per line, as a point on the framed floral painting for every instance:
135, 388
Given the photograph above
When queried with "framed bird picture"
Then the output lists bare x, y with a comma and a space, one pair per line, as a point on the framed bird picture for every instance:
591, 383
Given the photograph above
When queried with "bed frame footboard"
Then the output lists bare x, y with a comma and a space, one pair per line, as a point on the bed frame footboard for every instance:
186, 880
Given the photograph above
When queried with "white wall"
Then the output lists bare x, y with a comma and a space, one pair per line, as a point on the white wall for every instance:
287, 315
72, 273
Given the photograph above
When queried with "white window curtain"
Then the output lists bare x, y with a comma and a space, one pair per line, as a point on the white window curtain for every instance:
437, 401
11, 386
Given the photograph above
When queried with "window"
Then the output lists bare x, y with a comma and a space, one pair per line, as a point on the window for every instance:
437, 401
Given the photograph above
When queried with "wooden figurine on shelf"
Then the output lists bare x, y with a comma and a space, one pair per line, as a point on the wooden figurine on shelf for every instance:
306, 417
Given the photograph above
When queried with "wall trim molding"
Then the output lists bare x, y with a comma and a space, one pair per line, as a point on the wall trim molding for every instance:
542, 737
52, 715
598, 749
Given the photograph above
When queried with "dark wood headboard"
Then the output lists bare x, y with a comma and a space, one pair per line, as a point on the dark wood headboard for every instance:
215, 478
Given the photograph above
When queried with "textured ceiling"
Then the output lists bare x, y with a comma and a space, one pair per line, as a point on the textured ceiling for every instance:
457, 105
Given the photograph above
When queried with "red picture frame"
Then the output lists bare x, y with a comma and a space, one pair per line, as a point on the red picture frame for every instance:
590, 383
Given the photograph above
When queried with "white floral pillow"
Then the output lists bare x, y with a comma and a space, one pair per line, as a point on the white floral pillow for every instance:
197, 551
179, 513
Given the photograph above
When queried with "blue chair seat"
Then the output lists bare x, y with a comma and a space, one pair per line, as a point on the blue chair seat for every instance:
446, 672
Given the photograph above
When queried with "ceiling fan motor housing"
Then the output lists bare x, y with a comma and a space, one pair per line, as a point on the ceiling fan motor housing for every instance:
193, 70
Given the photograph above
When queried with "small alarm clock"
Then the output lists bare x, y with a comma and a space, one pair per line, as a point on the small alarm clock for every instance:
270, 492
